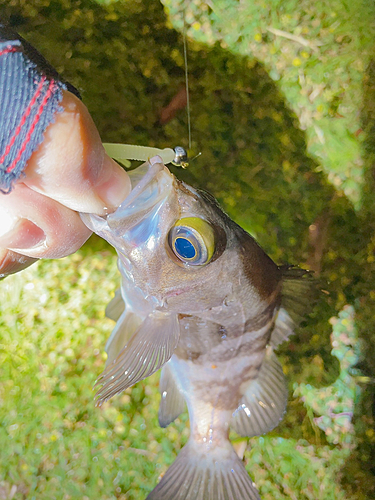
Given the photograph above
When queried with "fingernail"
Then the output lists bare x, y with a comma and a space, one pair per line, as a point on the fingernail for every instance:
12, 262
25, 234
116, 188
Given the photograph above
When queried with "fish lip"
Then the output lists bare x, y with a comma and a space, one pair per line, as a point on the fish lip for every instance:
152, 184
153, 169
149, 190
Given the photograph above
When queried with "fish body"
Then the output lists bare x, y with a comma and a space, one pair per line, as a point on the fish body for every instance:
201, 300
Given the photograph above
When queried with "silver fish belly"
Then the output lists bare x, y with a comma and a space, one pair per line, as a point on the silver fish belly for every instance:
201, 300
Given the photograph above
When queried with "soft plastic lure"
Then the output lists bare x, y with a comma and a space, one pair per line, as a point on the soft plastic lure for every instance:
126, 152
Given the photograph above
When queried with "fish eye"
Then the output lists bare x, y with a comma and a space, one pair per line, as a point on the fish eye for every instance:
192, 240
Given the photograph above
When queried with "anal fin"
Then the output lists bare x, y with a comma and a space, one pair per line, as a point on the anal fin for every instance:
115, 307
172, 402
264, 402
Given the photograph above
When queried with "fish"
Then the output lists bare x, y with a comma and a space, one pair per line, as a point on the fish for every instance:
203, 302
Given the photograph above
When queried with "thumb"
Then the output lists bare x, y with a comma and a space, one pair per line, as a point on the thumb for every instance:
71, 165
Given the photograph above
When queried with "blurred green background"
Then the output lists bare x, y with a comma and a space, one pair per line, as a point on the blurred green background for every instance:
282, 109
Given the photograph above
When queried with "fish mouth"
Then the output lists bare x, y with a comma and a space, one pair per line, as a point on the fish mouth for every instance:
152, 184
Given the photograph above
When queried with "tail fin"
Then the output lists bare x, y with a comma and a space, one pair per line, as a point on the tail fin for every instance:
199, 474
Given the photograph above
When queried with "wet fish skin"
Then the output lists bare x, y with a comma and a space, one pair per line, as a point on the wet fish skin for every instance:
212, 328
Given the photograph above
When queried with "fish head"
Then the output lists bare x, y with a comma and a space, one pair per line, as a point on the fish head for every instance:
178, 250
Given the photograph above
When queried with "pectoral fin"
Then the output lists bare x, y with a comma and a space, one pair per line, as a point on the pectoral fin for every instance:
126, 326
172, 402
149, 349
263, 405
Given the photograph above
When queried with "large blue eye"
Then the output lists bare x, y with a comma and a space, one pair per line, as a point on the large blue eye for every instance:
184, 247
192, 240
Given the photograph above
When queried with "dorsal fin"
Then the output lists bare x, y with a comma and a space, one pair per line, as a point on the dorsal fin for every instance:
264, 402
283, 329
299, 292
298, 295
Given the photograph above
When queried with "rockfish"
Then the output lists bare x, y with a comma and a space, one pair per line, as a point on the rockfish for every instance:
201, 300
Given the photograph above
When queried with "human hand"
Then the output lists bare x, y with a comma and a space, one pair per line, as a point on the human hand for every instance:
68, 173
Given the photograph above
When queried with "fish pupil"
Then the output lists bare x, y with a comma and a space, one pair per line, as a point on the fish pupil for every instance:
184, 248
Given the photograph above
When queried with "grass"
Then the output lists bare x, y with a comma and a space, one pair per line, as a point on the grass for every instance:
316, 52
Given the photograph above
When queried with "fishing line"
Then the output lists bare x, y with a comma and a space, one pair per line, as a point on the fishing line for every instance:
177, 156
186, 79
